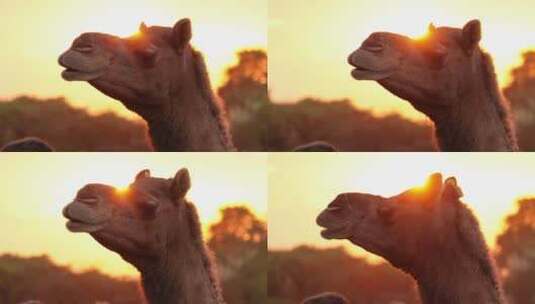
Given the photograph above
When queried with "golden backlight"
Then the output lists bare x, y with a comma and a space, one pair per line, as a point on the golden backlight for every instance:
309, 42
35, 188
491, 184
39, 31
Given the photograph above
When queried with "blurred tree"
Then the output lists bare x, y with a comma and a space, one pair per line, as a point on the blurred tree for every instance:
245, 93
38, 278
305, 271
521, 94
239, 242
516, 253
69, 129
246, 85
341, 124
238, 232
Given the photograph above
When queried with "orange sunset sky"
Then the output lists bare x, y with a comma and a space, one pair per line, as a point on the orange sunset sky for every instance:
35, 33
309, 41
34, 190
491, 183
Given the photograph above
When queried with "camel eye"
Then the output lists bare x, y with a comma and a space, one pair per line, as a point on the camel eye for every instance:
143, 50
147, 206
147, 51
386, 213
436, 55
147, 55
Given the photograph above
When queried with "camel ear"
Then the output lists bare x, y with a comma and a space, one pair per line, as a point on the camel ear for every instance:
143, 28
143, 174
181, 184
431, 28
434, 183
471, 35
182, 33
451, 190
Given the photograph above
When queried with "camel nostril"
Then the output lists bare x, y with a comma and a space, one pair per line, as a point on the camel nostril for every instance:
374, 48
83, 48
88, 200
338, 203
373, 44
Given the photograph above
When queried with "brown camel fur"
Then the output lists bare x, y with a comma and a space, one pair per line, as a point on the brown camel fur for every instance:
447, 77
429, 233
153, 227
158, 75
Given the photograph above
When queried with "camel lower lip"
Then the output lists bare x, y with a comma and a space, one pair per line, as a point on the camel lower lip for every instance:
360, 73
77, 226
75, 75
332, 233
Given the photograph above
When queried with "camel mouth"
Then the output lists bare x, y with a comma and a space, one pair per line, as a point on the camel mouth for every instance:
80, 226
74, 71
71, 74
362, 73
367, 65
330, 233
77, 223
325, 220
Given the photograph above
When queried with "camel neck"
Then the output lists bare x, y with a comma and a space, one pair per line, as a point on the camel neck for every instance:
187, 125
181, 276
191, 121
457, 281
479, 120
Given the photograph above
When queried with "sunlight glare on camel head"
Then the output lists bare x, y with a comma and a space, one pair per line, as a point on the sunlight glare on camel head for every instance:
427, 185
122, 190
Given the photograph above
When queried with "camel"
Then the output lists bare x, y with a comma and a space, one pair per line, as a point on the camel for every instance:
161, 77
326, 298
152, 226
27, 144
447, 77
428, 233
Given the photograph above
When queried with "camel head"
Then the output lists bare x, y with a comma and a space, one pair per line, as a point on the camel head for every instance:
397, 228
140, 71
139, 223
428, 71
